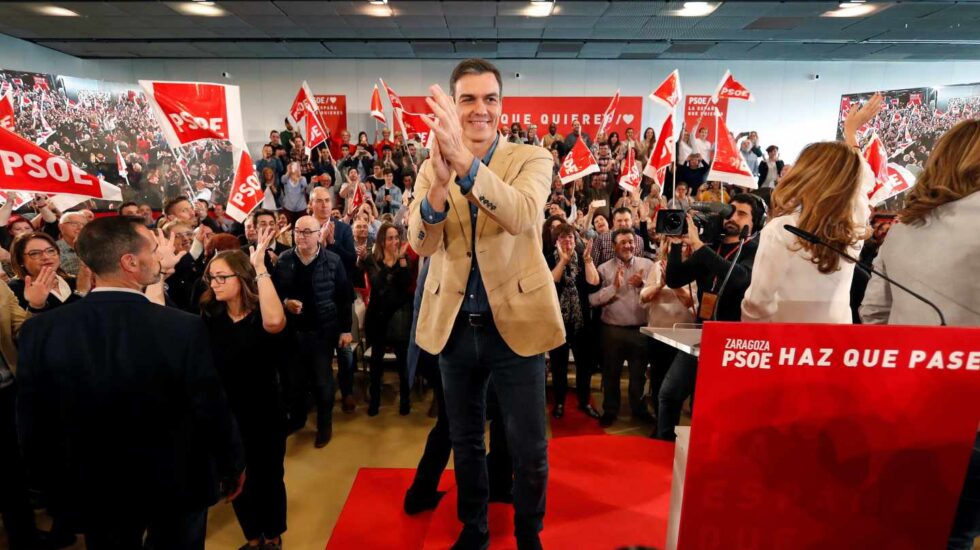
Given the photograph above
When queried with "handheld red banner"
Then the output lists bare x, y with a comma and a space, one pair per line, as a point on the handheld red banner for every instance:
668, 93
246, 191
26, 167
314, 132
829, 436
303, 103
701, 107
630, 180
413, 124
729, 88
729, 165
663, 152
377, 111
877, 158
609, 115
7, 119
578, 163
193, 111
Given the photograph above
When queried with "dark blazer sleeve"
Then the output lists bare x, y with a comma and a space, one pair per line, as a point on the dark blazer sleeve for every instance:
212, 412
711, 262
343, 298
763, 171
33, 415
343, 246
679, 272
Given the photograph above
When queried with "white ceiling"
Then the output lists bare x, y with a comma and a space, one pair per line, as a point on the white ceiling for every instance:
909, 30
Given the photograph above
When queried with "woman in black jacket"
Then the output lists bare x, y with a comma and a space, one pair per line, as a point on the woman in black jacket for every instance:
389, 311
572, 268
32, 252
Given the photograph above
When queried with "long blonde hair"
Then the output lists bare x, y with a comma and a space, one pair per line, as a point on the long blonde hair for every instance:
823, 185
952, 172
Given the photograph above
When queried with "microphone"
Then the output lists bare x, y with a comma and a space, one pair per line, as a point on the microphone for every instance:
810, 237
742, 235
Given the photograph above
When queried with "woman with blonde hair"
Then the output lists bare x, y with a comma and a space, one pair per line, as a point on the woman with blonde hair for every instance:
936, 253
826, 194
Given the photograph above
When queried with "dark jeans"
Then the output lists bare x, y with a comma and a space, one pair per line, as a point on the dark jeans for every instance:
621, 344
438, 445
583, 370
473, 357
660, 357
179, 532
677, 386
345, 370
312, 354
15, 505
261, 508
378, 344
966, 525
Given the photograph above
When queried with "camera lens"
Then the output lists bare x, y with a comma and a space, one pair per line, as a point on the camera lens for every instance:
674, 223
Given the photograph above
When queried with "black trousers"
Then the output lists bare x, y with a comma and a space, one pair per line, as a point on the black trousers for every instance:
310, 371
261, 508
435, 457
583, 370
15, 505
622, 344
179, 531
660, 356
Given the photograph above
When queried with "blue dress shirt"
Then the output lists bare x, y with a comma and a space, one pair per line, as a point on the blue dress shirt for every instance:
475, 300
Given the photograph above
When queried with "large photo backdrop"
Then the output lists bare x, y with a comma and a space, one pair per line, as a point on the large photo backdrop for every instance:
94, 124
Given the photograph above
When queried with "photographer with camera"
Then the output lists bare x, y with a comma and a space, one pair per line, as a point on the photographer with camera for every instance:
708, 265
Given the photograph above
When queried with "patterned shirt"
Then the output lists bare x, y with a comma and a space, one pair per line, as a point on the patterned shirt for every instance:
69, 259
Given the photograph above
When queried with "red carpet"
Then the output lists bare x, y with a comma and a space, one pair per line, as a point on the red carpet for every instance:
574, 422
604, 492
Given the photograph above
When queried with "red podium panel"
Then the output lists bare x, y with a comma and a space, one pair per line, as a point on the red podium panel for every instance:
829, 436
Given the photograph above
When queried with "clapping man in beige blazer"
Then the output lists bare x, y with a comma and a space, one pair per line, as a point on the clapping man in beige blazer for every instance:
489, 306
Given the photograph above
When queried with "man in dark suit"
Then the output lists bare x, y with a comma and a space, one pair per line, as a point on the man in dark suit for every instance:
120, 412
770, 168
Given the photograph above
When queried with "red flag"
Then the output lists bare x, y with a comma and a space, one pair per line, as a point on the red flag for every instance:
376, 108
7, 119
896, 118
915, 99
578, 163
193, 111
663, 152
609, 115
17, 82
729, 88
246, 191
305, 102
729, 165
357, 199
668, 93
630, 180
26, 167
20, 199
315, 135
845, 104
414, 125
41, 83
396, 102
25, 101
877, 158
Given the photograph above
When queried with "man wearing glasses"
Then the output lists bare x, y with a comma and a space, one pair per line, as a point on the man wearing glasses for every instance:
318, 299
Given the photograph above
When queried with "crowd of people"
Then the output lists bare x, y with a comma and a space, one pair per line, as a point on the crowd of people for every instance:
327, 261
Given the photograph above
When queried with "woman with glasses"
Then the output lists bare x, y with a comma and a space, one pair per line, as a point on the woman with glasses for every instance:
244, 316
35, 252
389, 312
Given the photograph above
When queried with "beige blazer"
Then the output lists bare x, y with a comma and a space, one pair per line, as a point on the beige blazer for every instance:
12, 316
510, 194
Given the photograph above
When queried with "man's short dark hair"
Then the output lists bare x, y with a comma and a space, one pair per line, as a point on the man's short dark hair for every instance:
562, 229
168, 206
622, 210
476, 67
385, 171
758, 206
104, 240
126, 204
771, 148
622, 231
262, 212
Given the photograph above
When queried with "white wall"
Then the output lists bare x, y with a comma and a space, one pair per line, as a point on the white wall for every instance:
791, 109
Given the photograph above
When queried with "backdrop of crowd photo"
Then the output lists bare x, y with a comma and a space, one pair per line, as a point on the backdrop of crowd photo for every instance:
326, 258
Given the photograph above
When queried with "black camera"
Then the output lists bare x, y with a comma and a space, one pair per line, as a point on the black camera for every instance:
709, 218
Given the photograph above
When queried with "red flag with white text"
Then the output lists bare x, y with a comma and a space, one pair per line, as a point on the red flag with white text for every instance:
729, 165
877, 157
120, 163
357, 198
315, 134
194, 111
578, 163
7, 119
413, 124
26, 167
41, 83
630, 180
663, 152
303, 103
246, 191
668, 93
729, 88
377, 111
20, 199
609, 115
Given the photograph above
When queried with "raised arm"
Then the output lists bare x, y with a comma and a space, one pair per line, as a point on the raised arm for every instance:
270, 306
